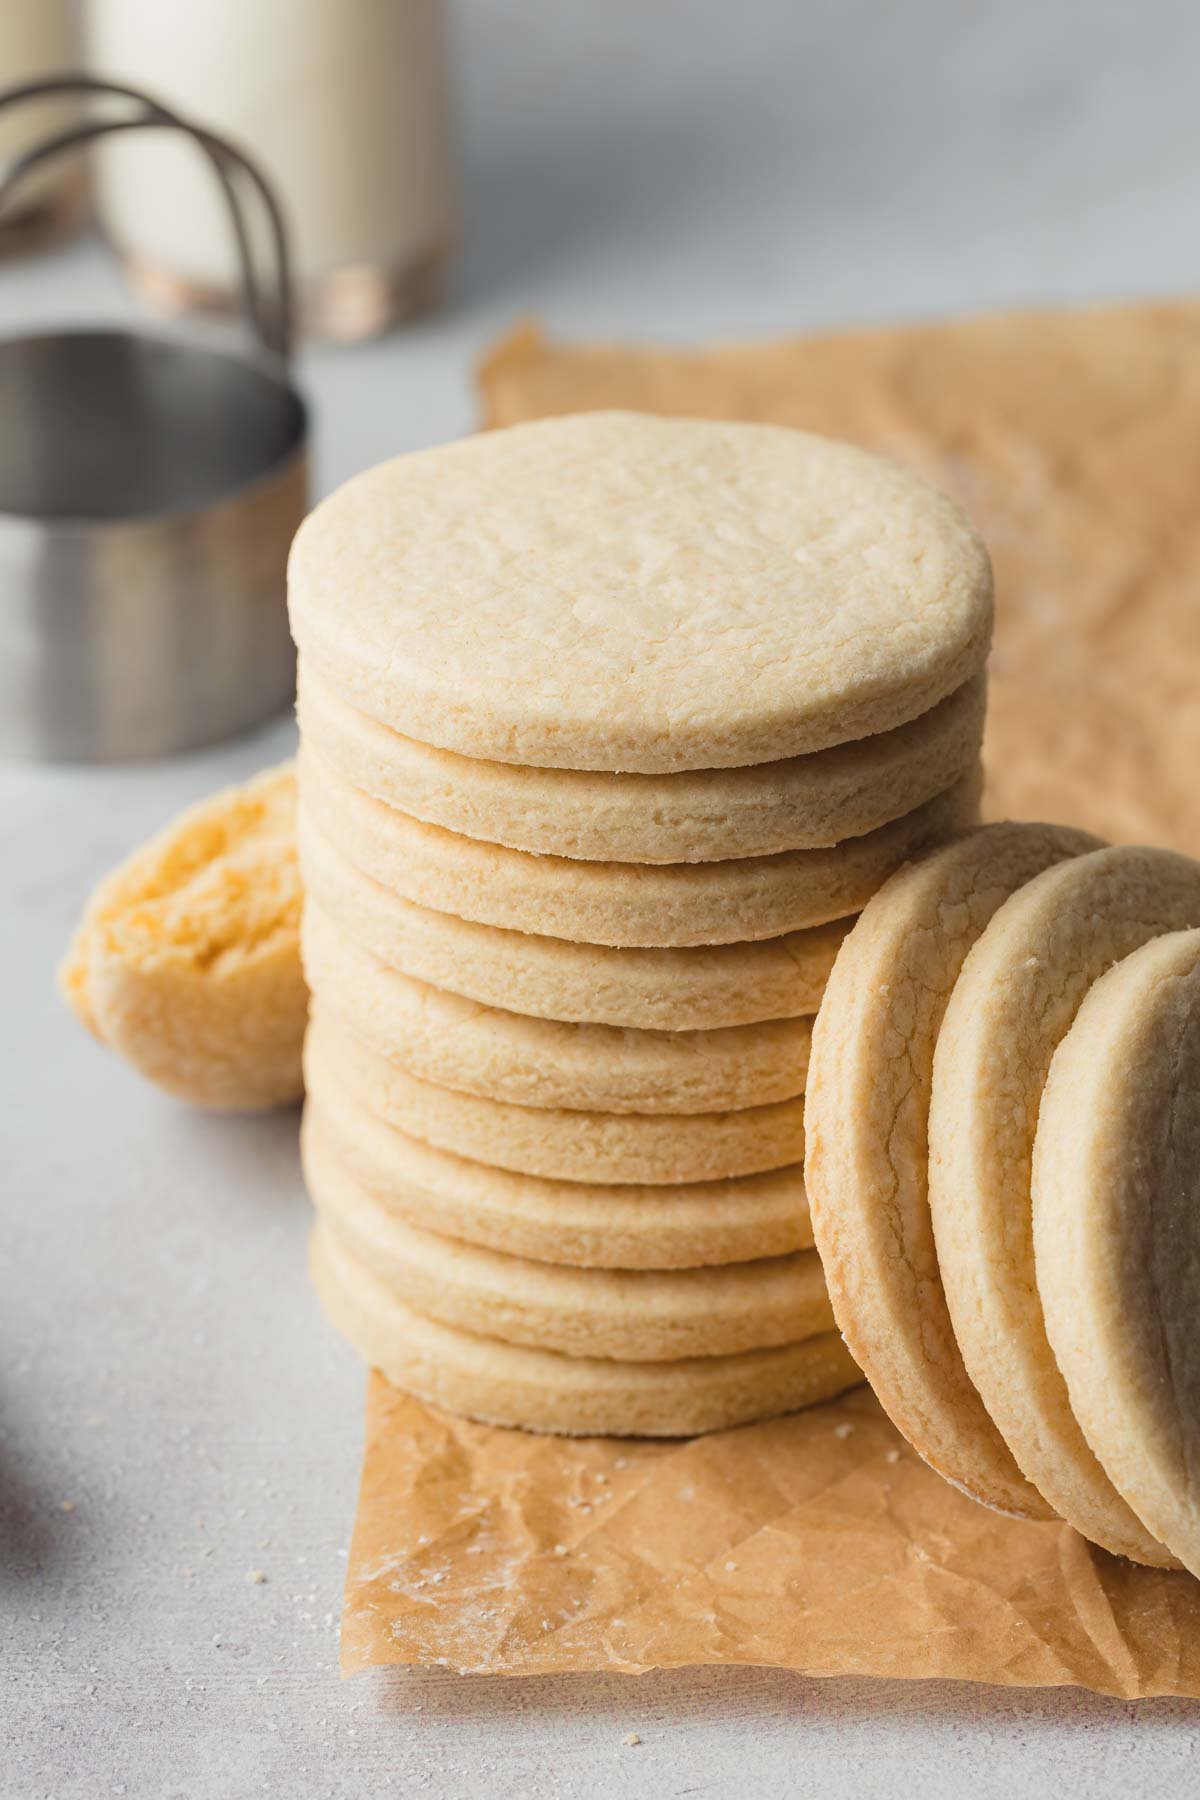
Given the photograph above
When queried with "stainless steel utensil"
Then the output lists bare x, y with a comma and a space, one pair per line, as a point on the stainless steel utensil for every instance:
149, 491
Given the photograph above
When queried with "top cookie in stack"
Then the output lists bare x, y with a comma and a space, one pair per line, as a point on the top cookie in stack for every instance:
610, 724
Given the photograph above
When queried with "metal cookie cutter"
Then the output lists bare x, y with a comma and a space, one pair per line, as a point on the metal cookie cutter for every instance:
149, 491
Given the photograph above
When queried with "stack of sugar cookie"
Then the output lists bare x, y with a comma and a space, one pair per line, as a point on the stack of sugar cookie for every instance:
1004, 1172
609, 725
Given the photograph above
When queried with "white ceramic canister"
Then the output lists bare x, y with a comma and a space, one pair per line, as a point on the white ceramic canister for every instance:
344, 104
37, 38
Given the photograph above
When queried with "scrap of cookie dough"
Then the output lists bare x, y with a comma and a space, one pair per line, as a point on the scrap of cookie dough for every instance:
1116, 1230
1016, 998
186, 961
867, 1121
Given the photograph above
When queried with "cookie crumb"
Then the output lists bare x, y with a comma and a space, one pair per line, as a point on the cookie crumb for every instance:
843, 1431
256, 1577
66, 1506
631, 1738
893, 1456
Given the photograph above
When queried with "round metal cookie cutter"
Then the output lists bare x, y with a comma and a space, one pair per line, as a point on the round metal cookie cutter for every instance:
149, 491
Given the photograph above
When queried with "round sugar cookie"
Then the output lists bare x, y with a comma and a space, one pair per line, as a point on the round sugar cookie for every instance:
562, 1145
1116, 1230
618, 591
1018, 993
585, 1225
705, 815
633, 904
542, 1390
704, 987
476, 1049
632, 1315
866, 1126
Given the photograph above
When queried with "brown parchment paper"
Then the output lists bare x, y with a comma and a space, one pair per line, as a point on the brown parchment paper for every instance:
820, 1542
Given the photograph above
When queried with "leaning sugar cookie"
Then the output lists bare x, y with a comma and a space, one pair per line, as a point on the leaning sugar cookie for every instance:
503, 1055
699, 988
634, 1315
705, 815
187, 959
618, 591
1116, 1229
542, 1390
557, 1142
586, 1225
1012, 1005
866, 1120
623, 904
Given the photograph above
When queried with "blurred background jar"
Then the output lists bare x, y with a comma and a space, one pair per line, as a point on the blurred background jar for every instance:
345, 104
37, 37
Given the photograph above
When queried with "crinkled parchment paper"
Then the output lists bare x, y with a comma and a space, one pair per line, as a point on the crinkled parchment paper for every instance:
820, 1542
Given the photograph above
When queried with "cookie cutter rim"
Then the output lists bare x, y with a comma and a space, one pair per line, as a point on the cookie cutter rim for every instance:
146, 628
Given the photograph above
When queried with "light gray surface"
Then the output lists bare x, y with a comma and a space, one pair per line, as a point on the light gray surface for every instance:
678, 169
